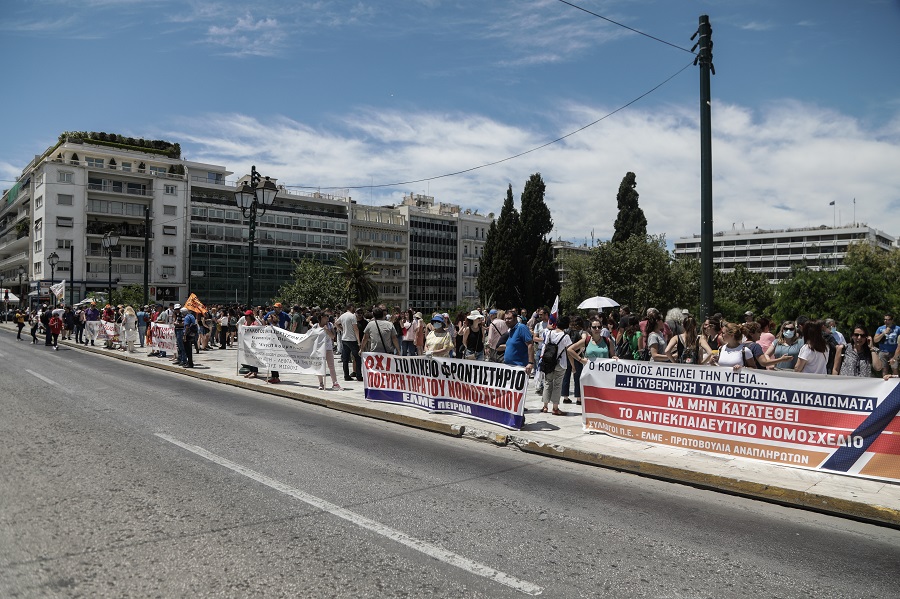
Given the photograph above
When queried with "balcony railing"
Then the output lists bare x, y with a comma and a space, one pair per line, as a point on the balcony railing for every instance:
13, 259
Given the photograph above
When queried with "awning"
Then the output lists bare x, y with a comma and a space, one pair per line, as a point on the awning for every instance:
12, 296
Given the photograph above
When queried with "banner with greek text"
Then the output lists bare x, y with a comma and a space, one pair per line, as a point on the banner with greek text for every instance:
273, 348
840, 424
162, 337
481, 390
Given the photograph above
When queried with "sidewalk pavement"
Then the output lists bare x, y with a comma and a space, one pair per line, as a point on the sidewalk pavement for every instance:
563, 437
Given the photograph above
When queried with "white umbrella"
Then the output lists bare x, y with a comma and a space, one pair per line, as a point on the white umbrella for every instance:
598, 302
13, 298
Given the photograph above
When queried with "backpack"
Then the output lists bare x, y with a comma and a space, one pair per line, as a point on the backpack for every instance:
550, 355
623, 348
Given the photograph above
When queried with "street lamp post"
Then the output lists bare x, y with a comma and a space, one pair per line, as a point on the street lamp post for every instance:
251, 198
52, 260
21, 274
110, 241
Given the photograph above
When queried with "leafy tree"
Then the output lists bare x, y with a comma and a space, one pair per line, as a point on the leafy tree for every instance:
579, 279
631, 220
356, 272
312, 284
128, 295
545, 278
804, 292
635, 272
741, 290
685, 276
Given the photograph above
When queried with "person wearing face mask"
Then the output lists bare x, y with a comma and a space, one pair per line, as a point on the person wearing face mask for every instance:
786, 347
439, 342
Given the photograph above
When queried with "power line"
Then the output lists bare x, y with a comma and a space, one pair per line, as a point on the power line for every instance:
508, 158
662, 41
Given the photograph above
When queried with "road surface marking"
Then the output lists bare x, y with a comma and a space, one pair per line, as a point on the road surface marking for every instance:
43, 378
428, 549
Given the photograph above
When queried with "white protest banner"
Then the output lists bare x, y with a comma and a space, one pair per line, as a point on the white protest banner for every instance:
108, 330
834, 423
273, 348
59, 290
162, 337
482, 390
92, 329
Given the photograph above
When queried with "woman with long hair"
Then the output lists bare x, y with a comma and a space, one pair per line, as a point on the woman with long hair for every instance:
733, 353
813, 356
860, 356
410, 329
684, 348
325, 325
632, 334
656, 342
596, 344
784, 350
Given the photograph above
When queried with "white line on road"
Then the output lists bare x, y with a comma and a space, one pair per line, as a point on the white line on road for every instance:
43, 378
428, 549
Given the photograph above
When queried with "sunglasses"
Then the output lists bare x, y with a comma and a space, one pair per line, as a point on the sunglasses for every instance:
595, 327
789, 329
858, 335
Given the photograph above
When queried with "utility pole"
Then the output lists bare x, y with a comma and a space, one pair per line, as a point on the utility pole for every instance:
147, 256
704, 59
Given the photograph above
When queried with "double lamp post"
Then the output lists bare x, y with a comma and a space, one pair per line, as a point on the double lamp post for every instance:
110, 242
252, 198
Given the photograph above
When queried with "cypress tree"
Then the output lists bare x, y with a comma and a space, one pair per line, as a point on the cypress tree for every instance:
536, 224
630, 220
500, 268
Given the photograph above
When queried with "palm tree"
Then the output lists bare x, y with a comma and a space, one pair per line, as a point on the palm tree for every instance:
356, 271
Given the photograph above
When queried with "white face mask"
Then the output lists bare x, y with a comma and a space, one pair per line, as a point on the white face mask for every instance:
789, 334
439, 325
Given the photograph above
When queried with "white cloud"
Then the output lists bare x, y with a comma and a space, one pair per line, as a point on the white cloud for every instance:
758, 26
248, 37
777, 168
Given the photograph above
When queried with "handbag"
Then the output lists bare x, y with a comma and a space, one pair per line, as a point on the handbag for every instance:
468, 354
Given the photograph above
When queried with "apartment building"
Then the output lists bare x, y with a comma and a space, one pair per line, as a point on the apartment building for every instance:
473, 228
383, 233
77, 191
774, 252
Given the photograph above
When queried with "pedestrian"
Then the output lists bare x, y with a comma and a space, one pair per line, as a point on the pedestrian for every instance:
46, 314
410, 330
35, 322
684, 348
497, 334
20, 324
519, 347
473, 337
733, 353
143, 321
191, 331
783, 352
247, 320
553, 360
574, 329
55, 327
68, 322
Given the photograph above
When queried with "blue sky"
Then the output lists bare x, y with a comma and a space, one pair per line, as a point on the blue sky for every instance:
357, 94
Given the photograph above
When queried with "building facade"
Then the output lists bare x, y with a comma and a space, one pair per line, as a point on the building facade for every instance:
473, 228
383, 234
774, 252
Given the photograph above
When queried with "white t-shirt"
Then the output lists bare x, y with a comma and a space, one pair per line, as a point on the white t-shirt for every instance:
348, 326
816, 361
556, 336
729, 356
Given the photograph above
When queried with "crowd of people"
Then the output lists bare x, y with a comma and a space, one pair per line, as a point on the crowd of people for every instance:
553, 347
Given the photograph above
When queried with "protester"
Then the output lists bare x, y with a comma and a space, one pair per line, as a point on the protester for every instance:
325, 325
410, 329
783, 353
656, 342
20, 324
574, 329
438, 342
860, 357
813, 356
597, 343
684, 348
886, 339
130, 328
55, 327
519, 347
554, 344
191, 331
497, 335
349, 343
380, 336
248, 320
143, 321
473, 337
277, 318
732, 353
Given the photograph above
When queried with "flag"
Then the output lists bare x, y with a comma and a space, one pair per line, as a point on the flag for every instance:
831, 203
554, 312
59, 290
194, 305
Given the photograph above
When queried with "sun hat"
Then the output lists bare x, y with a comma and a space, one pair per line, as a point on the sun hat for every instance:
248, 313
475, 315
177, 306
417, 315
438, 318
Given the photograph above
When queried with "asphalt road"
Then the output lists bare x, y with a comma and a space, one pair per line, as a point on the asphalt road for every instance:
124, 481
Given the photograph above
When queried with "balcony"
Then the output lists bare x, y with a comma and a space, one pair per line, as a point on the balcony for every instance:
121, 189
14, 259
123, 229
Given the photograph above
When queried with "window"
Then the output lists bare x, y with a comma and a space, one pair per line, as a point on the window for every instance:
38, 228
168, 250
169, 271
36, 267
126, 166
39, 180
64, 177
38, 202
64, 199
65, 221
170, 190
158, 170
94, 162
170, 230
170, 210
38, 245
63, 244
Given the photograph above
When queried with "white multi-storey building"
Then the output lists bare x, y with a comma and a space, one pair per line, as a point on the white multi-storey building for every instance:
774, 252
